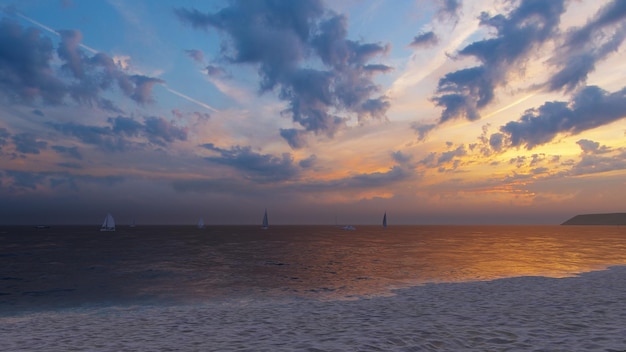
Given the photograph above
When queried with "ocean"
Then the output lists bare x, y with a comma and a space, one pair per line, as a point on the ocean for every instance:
313, 288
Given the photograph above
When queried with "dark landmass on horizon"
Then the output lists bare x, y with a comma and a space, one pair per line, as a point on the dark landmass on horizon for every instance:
597, 219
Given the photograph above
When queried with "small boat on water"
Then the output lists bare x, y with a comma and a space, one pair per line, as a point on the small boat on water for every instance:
349, 228
201, 223
265, 225
385, 220
108, 224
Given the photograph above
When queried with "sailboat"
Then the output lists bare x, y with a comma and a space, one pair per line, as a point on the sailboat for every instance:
201, 223
108, 224
265, 224
385, 220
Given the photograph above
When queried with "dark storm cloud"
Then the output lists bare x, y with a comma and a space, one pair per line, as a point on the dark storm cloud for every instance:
462, 93
69, 151
280, 38
118, 136
27, 73
28, 143
424, 39
601, 36
255, 166
590, 108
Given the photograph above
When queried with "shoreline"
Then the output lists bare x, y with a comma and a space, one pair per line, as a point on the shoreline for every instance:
586, 311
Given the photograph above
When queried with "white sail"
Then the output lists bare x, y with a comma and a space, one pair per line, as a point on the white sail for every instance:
385, 220
200, 223
265, 225
108, 224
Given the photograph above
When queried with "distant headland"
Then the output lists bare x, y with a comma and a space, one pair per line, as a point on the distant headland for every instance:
597, 219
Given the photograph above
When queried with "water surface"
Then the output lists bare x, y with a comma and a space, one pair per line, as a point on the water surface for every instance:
80, 266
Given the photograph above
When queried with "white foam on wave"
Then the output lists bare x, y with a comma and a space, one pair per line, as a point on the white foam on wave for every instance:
583, 313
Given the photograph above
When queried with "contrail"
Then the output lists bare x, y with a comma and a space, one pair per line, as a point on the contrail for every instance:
206, 106
519, 101
90, 49
94, 51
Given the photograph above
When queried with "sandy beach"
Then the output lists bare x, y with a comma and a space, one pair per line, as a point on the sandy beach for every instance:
582, 313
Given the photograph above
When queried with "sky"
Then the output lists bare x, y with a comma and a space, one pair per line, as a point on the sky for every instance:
321, 112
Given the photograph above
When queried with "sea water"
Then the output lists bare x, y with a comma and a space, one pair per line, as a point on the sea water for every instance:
315, 288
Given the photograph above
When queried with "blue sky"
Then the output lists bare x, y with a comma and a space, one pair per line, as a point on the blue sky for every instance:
438, 112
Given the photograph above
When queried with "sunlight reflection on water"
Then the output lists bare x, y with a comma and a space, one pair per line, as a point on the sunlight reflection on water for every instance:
75, 265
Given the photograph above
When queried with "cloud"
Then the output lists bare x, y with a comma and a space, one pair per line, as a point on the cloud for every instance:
462, 93
424, 40
496, 141
596, 158
449, 8
68, 51
72, 152
157, 130
119, 135
38, 112
448, 156
376, 179
295, 138
215, 71
195, 54
591, 147
32, 180
422, 129
255, 166
308, 162
29, 144
25, 68
142, 91
162, 132
284, 40
591, 107
583, 47
4, 136
25, 179
401, 158
28, 75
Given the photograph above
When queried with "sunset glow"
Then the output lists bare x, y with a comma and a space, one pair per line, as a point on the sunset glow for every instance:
438, 112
